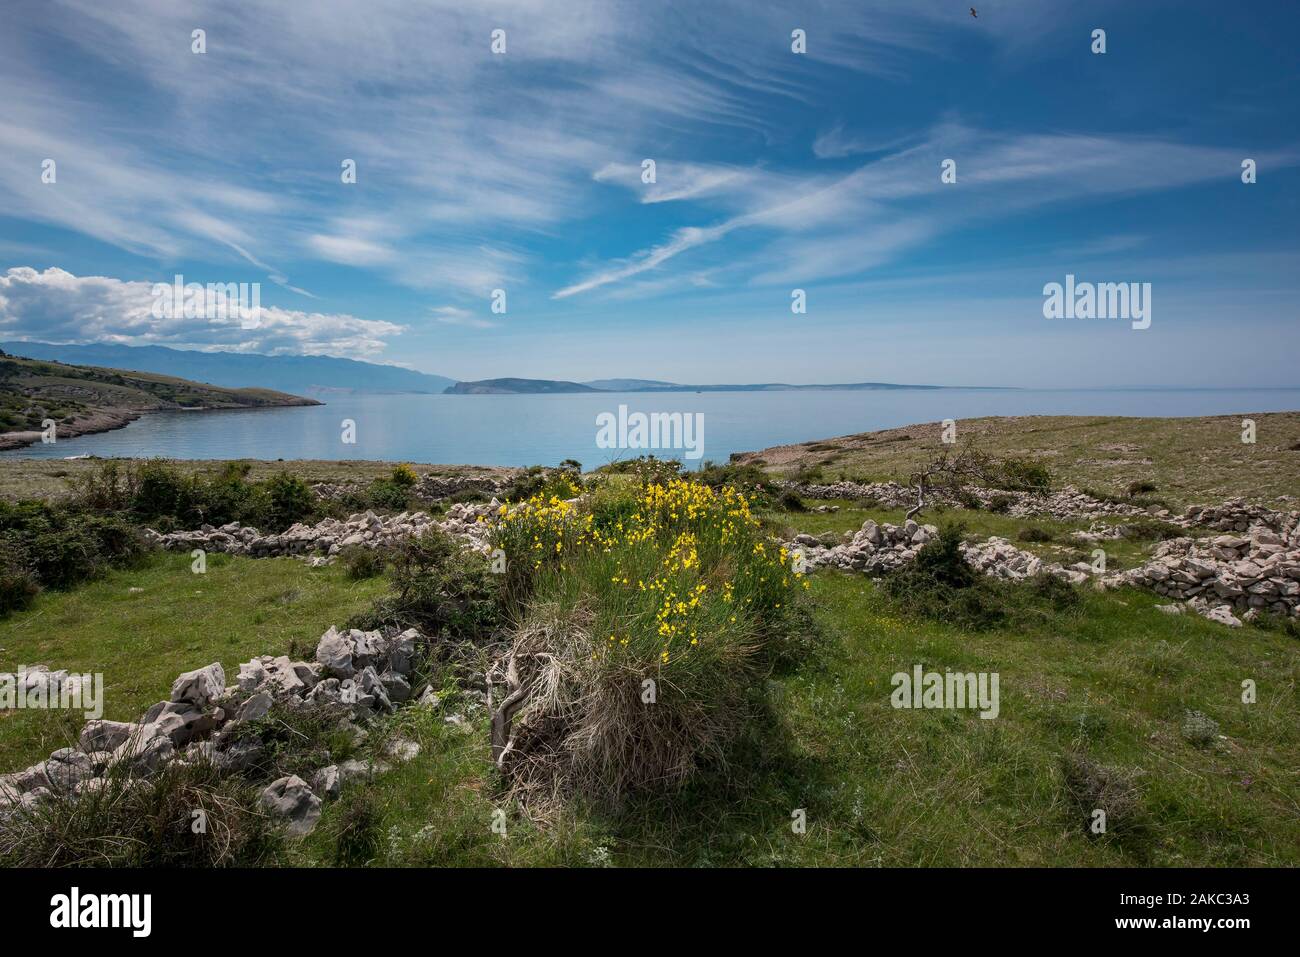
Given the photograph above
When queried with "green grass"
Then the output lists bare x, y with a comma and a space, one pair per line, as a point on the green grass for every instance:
886, 787
177, 621
880, 787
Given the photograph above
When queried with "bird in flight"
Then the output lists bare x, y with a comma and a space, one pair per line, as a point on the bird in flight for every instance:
973, 13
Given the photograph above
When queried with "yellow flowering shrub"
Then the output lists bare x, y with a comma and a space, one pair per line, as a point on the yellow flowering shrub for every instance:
674, 584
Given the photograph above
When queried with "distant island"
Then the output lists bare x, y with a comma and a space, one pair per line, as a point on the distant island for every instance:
326, 375
82, 400
557, 386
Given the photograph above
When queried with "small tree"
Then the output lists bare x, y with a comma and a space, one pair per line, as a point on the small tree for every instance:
949, 474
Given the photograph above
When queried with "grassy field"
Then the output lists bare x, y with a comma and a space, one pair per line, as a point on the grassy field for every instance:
886, 787
142, 627
1111, 680
1190, 460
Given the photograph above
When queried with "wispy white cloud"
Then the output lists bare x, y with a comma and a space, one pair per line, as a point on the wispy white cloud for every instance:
457, 316
824, 226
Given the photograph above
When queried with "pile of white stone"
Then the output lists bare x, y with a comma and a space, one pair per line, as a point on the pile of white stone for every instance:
877, 548
999, 558
361, 673
1066, 503
333, 491
1235, 515
331, 535
1069, 502
888, 494
1226, 575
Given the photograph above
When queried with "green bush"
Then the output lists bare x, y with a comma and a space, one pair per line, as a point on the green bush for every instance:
1055, 591
1023, 475
58, 546
440, 588
361, 562
1151, 530
290, 500
355, 828
940, 584
157, 493
388, 495
564, 482
18, 587
791, 502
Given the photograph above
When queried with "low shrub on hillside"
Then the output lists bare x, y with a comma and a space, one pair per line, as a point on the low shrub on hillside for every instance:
1021, 475
647, 619
387, 495
791, 502
1001, 504
157, 493
18, 587
57, 546
939, 583
1151, 530
361, 563
562, 482
1094, 787
146, 823
647, 469
745, 477
440, 588
404, 475
289, 500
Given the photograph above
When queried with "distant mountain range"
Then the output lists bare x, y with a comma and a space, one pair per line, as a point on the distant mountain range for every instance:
321, 375
237, 370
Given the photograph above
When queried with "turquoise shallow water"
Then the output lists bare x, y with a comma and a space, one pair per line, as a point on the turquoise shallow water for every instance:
544, 429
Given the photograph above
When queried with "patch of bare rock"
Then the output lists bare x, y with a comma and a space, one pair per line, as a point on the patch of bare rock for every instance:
328, 537
1246, 573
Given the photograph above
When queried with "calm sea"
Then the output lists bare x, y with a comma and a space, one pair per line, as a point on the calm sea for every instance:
544, 429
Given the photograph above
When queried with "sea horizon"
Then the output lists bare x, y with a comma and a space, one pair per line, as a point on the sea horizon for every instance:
544, 429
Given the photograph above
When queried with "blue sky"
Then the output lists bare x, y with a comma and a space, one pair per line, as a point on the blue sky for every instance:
775, 171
